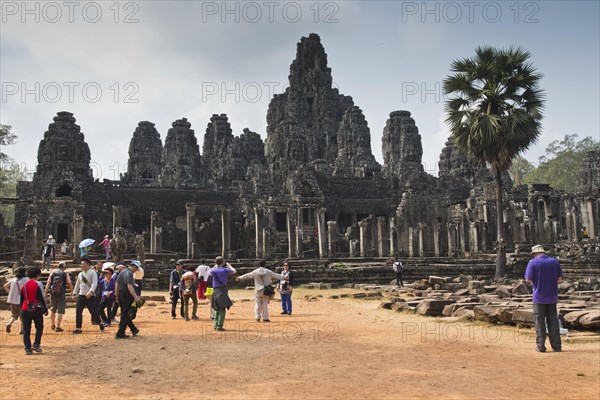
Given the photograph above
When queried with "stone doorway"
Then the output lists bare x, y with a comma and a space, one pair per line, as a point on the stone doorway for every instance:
62, 233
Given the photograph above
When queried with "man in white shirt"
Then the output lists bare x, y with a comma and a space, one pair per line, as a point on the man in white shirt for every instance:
397, 266
85, 290
202, 272
262, 277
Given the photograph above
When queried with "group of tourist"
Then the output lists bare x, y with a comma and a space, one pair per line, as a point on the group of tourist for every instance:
195, 282
103, 289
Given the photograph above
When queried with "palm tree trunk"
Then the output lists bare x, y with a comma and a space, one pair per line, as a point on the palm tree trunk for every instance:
501, 243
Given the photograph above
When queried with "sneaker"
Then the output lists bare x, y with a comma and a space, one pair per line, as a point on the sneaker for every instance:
7, 328
136, 332
28, 352
77, 331
266, 320
173, 317
289, 313
257, 319
187, 318
542, 350
195, 317
284, 312
101, 327
117, 336
37, 348
107, 325
558, 350
59, 329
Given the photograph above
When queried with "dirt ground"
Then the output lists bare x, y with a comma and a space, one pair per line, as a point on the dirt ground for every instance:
328, 349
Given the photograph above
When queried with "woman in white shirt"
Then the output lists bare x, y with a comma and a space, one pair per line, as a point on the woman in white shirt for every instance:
13, 287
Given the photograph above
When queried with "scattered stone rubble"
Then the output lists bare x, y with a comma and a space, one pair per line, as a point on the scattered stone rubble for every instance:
507, 302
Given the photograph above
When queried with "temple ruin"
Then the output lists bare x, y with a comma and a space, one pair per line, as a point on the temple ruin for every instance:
312, 189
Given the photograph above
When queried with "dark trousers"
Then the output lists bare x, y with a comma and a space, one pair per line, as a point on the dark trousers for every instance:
113, 311
126, 302
91, 305
27, 318
399, 279
546, 314
174, 299
106, 304
138, 287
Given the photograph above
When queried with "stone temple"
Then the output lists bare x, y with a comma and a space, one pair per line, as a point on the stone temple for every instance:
312, 189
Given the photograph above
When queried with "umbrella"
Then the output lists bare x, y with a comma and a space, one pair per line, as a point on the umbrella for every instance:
86, 243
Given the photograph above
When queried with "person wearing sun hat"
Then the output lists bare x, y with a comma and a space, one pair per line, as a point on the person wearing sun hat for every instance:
138, 276
107, 294
106, 245
544, 273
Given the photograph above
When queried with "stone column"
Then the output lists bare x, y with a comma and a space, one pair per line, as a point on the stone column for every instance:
591, 220
392, 237
226, 232
266, 250
291, 229
77, 235
451, 239
117, 219
541, 218
30, 252
421, 228
483, 232
331, 237
158, 239
258, 224
363, 224
153, 227
555, 235
411, 242
437, 238
321, 231
474, 238
299, 243
190, 210
463, 234
380, 239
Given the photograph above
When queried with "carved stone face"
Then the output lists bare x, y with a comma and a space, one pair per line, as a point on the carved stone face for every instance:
296, 150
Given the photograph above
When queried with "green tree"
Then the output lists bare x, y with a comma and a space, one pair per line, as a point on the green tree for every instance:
9, 175
519, 169
562, 162
6, 138
494, 111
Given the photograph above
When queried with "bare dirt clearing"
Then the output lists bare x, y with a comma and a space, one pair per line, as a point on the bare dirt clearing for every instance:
340, 348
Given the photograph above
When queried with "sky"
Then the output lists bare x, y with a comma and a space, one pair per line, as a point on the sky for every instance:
114, 64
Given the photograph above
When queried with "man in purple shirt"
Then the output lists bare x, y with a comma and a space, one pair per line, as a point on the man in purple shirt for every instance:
220, 297
544, 273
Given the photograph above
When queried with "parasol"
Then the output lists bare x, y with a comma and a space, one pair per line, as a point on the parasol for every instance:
86, 243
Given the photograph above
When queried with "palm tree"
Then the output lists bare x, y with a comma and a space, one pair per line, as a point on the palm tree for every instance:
494, 110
